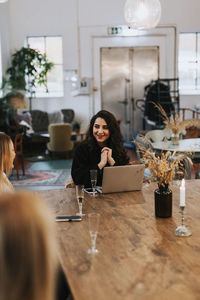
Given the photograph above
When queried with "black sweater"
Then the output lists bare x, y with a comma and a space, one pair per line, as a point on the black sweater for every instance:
85, 160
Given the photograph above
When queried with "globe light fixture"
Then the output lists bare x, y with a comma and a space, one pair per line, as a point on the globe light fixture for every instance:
142, 14
3, 1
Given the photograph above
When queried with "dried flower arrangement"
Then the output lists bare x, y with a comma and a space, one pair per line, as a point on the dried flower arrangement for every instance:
174, 123
165, 167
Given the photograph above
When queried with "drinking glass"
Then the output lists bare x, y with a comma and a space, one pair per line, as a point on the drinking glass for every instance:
80, 197
93, 229
93, 178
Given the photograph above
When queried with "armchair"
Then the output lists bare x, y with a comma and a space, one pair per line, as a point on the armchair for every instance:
60, 138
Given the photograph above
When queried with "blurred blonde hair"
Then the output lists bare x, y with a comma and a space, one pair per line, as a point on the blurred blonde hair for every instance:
5, 160
28, 259
5, 155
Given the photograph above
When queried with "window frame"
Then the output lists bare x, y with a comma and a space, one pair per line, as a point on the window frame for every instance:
195, 90
49, 94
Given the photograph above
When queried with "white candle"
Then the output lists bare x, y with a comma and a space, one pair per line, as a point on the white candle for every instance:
182, 193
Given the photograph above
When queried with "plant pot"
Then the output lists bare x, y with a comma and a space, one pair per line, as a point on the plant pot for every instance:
163, 202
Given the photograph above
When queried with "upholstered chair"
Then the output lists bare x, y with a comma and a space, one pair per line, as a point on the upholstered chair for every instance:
40, 121
68, 115
60, 138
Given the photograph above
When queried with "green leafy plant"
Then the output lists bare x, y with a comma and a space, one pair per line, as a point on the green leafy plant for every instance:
28, 69
6, 111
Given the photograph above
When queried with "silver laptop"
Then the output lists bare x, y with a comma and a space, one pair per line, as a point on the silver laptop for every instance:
123, 178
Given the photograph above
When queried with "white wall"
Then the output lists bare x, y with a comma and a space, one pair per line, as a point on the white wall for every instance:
66, 17
4, 35
47, 17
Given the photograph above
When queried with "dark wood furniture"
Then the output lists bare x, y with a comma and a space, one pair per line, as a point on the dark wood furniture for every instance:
75, 135
188, 113
19, 158
139, 256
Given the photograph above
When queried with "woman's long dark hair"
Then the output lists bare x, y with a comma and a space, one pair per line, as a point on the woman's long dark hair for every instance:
115, 141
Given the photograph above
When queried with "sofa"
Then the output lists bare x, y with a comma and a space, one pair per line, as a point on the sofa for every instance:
36, 136
41, 119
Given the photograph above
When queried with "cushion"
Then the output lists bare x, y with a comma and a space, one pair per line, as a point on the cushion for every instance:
55, 117
25, 116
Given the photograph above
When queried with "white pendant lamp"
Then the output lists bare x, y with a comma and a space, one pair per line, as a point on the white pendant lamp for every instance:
142, 14
3, 1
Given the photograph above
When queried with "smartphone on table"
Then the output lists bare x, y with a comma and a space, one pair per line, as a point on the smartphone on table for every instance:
68, 218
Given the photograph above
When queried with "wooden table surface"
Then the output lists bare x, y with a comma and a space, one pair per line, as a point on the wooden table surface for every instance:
139, 256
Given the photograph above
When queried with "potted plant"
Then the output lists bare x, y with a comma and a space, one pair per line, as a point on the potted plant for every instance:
163, 169
28, 69
175, 124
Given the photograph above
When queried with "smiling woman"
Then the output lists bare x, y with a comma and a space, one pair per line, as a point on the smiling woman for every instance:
102, 147
101, 131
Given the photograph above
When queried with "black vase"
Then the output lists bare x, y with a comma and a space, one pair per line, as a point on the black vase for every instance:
163, 202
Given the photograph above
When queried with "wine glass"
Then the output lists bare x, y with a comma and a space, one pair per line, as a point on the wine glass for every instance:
93, 229
80, 197
93, 178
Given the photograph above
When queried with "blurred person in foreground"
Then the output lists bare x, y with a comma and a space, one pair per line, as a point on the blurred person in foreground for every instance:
28, 254
7, 156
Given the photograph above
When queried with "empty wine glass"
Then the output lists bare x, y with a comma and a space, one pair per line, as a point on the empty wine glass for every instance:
80, 197
93, 178
93, 229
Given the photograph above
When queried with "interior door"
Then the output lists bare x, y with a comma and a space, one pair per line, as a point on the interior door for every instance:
125, 71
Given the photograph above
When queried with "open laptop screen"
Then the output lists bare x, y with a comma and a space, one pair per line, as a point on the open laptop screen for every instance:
123, 178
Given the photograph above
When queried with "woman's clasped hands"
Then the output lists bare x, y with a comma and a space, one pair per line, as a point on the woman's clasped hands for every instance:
106, 157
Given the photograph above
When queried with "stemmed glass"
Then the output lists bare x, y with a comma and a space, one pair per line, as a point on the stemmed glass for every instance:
80, 197
93, 229
93, 178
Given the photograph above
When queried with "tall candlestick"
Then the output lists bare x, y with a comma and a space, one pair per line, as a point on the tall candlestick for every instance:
182, 193
182, 229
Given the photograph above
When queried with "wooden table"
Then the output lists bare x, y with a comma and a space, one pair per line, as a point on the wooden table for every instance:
139, 256
186, 145
81, 134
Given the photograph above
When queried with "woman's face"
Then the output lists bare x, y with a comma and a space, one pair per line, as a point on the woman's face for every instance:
101, 131
12, 154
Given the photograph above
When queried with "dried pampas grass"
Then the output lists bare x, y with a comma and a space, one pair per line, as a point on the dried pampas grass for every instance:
174, 122
165, 167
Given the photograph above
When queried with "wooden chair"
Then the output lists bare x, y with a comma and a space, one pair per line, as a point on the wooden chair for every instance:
18, 146
188, 113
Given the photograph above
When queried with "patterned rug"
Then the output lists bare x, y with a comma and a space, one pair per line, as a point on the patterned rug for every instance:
50, 177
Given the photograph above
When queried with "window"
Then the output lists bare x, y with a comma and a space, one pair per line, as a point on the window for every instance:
1, 78
52, 47
189, 63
